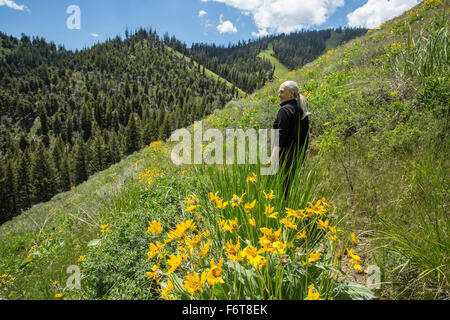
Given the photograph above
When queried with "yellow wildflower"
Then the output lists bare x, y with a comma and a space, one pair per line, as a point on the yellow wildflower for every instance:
204, 249
168, 289
313, 257
301, 235
355, 241
153, 274
313, 295
236, 200
214, 274
252, 221
289, 223
271, 241
212, 196
193, 201
155, 249
332, 237
55, 283
229, 225
249, 206
269, 212
105, 228
58, 295
269, 196
192, 208
299, 214
220, 204
254, 258
253, 178
233, 251
317, 208
323, 225
154, 226
193, 241
194, 283
181, 229
174, 262
358, 267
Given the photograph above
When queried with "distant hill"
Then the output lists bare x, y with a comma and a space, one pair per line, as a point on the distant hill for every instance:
66, 115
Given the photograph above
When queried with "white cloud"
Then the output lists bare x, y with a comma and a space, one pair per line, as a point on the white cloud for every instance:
95, 35
272, 16
375, 12
226, 26
11, 4
202, 13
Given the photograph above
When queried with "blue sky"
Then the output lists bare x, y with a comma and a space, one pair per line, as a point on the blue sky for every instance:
221, 21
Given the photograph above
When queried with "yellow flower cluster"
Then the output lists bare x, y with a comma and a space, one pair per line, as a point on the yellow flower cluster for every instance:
105, 228
42, 242
156, 145
355, 260
307, 94
394, 48
154, 226
6, 279
268, 236
431, 3
148, 175
192, 203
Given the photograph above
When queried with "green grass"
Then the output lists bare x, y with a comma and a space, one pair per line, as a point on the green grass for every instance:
334, 41
379, 153
280, 69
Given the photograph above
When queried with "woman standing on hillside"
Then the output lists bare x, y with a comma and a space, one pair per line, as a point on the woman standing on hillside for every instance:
292, 122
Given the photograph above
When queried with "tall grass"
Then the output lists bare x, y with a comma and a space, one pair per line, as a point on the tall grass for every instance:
421, 235
426, 53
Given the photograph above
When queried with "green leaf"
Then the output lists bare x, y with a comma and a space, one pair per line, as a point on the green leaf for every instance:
94, 242
349, 290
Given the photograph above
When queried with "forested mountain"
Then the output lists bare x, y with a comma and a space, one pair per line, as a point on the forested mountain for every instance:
66, 115
240, 64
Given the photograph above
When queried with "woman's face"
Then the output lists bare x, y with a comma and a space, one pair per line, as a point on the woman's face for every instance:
284, 94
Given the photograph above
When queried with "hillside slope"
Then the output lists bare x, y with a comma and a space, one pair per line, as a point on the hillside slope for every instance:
379, 153
280, 69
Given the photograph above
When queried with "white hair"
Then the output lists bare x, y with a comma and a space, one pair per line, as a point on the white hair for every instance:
292, 86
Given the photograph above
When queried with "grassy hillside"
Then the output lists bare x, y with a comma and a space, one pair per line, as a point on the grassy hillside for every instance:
379, 155
280, 69
334, 40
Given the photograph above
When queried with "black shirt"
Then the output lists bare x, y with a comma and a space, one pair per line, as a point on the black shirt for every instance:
293, 132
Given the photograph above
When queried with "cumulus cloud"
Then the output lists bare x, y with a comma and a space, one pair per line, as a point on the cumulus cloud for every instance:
202, 13
272, 16
375, 12
226, 26
95, 35
11, 4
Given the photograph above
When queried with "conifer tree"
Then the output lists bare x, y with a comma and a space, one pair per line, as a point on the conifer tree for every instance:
3, 211
98, 154
42, 175
114, 148
80, 163
10, 190
133, 136
64, 176
86, 122
24, 188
